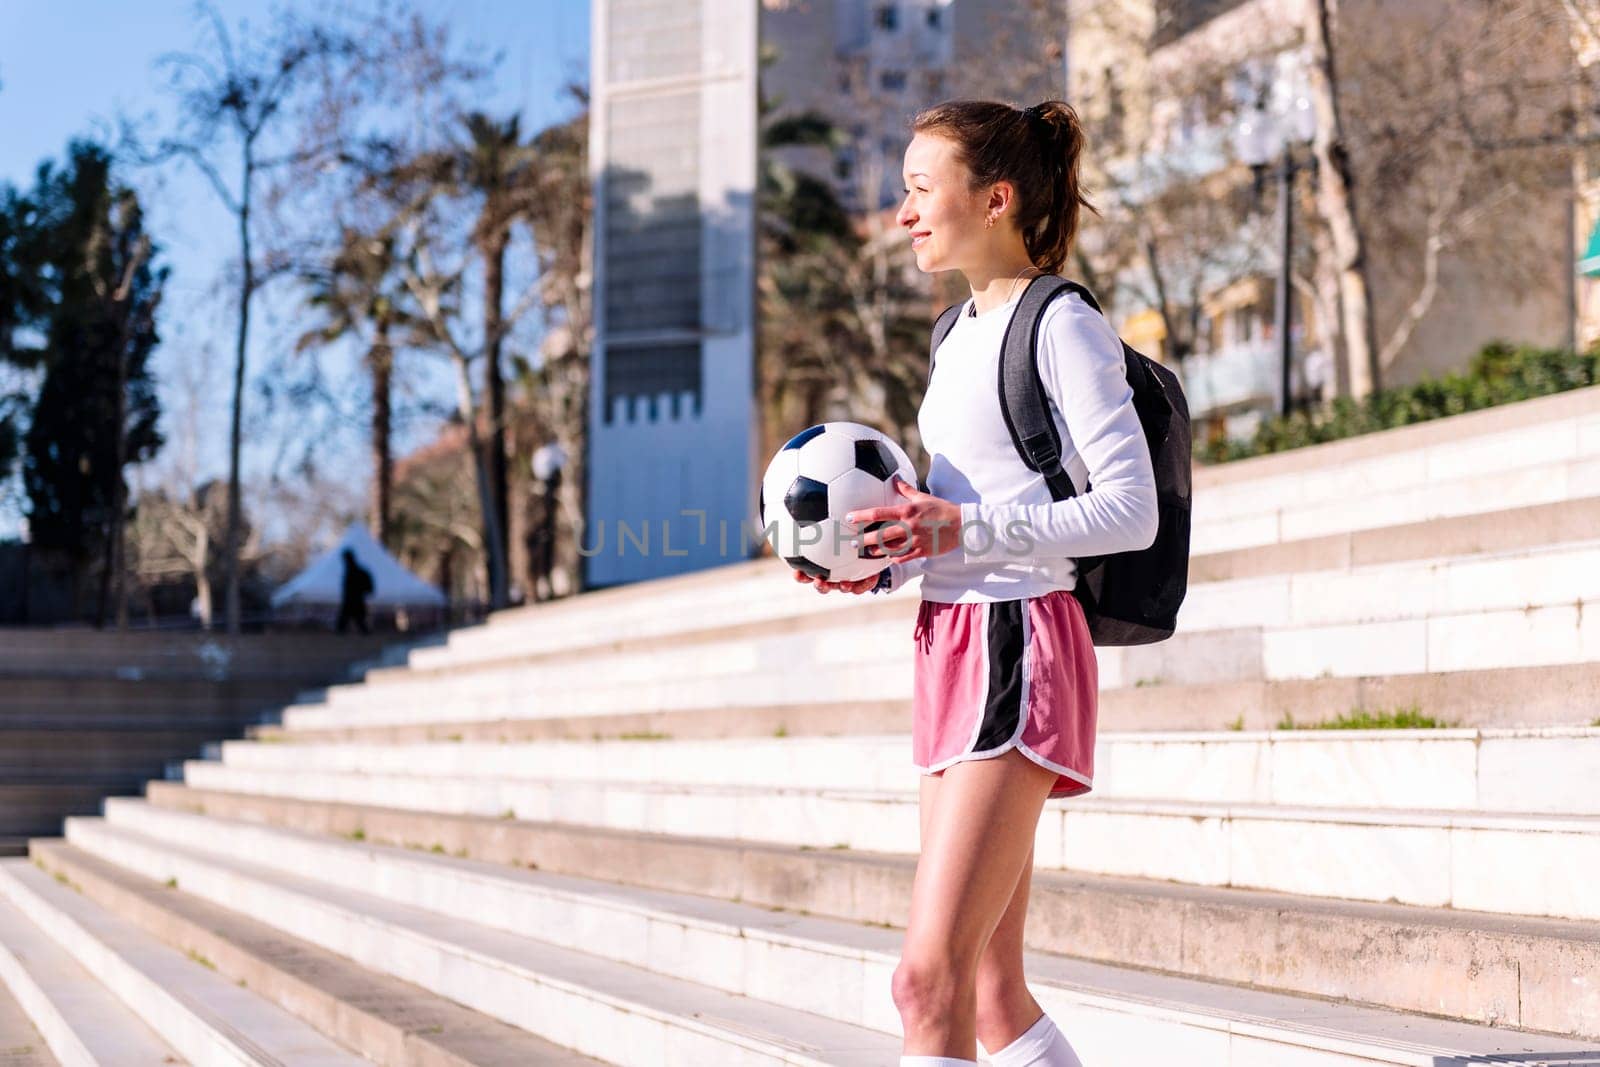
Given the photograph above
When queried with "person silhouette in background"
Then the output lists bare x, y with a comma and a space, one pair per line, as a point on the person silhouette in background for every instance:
357, 586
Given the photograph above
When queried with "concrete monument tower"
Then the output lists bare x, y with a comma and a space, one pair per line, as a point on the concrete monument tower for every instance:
672, 414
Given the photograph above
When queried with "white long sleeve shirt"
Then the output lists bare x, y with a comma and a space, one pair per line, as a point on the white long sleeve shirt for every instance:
1016, 541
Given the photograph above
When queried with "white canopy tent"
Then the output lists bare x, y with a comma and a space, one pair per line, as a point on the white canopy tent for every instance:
320, 585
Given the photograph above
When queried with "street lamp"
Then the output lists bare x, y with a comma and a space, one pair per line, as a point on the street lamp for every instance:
1276, 128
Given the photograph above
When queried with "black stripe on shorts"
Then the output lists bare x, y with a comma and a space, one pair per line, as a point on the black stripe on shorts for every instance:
1002, 704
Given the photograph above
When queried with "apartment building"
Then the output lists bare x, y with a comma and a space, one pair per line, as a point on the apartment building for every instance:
1452, 260
870, 65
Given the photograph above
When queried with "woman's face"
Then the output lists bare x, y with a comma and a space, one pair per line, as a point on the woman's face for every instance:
944, 217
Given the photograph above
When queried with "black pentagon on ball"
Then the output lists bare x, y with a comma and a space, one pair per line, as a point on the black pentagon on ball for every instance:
805, 566
802, 437
875, 458
807, 500
871, 552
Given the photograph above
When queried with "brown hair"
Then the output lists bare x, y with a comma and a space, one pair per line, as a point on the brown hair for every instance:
1036, 149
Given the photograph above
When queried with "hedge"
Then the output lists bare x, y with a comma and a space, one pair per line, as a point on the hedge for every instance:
1501, 373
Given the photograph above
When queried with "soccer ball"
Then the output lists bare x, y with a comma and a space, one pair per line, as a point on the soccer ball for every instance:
820, 475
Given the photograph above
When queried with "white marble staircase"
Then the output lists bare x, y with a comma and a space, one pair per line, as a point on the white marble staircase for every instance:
677, 823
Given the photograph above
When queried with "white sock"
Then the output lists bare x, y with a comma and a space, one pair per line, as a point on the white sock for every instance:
934, 1061
1042, 1045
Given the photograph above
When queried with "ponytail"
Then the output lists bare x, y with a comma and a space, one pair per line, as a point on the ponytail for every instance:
1037, 150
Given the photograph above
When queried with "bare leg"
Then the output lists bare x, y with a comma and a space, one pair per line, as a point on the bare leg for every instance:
1005, 1006
977, 843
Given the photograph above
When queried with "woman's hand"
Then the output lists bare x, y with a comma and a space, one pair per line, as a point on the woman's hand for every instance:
862, 585
925, 525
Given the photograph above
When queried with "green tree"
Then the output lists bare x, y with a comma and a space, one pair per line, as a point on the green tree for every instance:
357, 293
499, 168
843, 327
455, 209
85, 243
20, 297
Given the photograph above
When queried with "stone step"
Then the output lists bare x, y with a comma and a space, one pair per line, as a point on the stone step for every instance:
1536, 769
66, 717
873, 663
1218, 528
1544, 575
1493, 439
389, 1021
820, 967
205, 1017
1523, 608
1432, 859
77, 1021
1461, 535
38, 808
1241, 491
21, 1044
34, 649
760, 602
1513, 972
612, 1011
127, 695
90, 750
736, 595
1518, 696
1488, 440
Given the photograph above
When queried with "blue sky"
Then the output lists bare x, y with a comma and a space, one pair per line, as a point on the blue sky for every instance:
70, 67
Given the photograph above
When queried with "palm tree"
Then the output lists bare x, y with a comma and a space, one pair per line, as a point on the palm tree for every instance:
359, 295
840, 333
500, 170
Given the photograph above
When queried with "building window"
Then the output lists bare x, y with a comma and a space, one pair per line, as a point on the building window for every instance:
893, 81
935, 18
888, 17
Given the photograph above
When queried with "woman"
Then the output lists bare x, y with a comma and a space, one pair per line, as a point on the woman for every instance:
1004, 710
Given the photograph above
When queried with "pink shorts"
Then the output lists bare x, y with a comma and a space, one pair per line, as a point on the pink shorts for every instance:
1005, 674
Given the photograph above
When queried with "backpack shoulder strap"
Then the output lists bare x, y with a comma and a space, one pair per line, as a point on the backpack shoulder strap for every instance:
1023, 400
941, 329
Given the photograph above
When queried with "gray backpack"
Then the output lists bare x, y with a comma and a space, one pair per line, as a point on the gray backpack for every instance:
1129, 598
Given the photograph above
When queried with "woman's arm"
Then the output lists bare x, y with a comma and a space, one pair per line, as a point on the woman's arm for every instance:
1081, 364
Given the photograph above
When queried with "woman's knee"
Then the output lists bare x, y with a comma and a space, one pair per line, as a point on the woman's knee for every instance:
930, 987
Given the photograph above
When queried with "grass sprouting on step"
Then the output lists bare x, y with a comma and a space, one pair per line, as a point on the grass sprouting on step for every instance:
781, 731
1237, 725
1407, 717
643, 735
358, 834
201, 960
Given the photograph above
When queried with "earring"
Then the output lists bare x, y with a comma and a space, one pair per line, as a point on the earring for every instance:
988, 223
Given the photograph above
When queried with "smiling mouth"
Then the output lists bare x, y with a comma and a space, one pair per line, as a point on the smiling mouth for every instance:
919, 238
